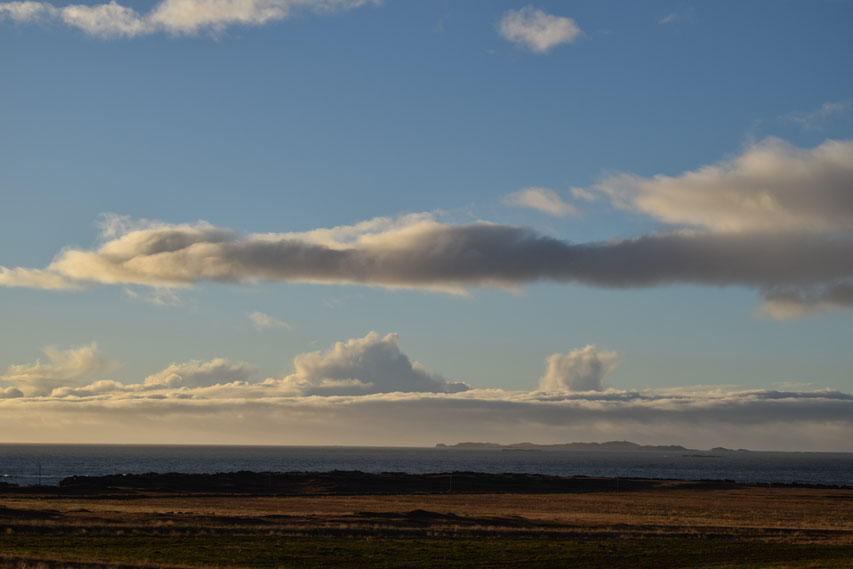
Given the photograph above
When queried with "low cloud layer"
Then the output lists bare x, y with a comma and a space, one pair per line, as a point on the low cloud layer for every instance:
579, 370
176, 17
366, 391
537, 31
72, 366
541, 199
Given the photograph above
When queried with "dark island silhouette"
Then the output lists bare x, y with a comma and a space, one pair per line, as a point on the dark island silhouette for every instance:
609, 445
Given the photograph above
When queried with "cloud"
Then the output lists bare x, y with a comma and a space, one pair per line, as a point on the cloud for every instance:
430, 255
579, 370
176, 17
366, 391
814, 119
10, 392
777, 218
537, 31
669, 18
70, 366
263, 321
758, 419
364, 365
771, 186
200, 374
541, 199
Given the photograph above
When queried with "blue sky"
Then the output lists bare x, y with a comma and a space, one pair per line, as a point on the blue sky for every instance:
322, 114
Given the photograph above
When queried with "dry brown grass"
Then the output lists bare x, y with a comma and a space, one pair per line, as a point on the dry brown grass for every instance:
782, 514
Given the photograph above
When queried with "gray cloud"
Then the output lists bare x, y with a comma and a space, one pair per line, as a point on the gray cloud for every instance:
585, 369
177, 17
431, 255
777, 219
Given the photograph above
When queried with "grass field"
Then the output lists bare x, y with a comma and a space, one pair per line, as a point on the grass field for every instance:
666, 526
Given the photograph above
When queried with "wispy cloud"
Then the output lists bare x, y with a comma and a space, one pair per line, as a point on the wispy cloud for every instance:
669, 18
537, 31
815, 119
262, 321
541, 199
176, 17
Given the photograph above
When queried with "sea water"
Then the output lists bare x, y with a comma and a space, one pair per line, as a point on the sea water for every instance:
28, 464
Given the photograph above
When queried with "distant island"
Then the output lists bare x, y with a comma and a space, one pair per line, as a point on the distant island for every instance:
610, 445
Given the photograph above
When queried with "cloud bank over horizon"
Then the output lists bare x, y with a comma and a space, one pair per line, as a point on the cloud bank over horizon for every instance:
366, 391
175, 17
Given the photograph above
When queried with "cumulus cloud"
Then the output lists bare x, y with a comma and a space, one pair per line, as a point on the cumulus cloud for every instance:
372, 364
65, 367
772, 186
262, 321
200, 374
585, 369
537, 31
541, 199
177, 17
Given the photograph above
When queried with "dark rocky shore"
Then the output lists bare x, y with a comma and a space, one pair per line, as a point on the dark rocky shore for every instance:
340, 482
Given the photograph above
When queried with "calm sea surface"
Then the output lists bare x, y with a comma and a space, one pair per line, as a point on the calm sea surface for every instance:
19, 463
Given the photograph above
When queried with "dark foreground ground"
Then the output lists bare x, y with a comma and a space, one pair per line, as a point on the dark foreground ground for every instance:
356, 520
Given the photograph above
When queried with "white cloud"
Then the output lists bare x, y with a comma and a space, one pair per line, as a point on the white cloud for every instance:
814, 119
24, 11
66, 367
364, 365
582, 194
263, 321
537, 31
580, 370
178, 17
200, 374
771, 186
669, 18
541, 199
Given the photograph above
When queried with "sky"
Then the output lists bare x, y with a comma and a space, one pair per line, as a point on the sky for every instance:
356, 222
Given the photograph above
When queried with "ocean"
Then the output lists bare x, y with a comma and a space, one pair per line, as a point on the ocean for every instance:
28, 464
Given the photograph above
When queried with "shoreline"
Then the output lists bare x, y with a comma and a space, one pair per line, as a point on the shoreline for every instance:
354, 482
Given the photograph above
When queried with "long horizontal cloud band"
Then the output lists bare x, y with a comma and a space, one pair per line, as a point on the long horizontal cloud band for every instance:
427, 254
